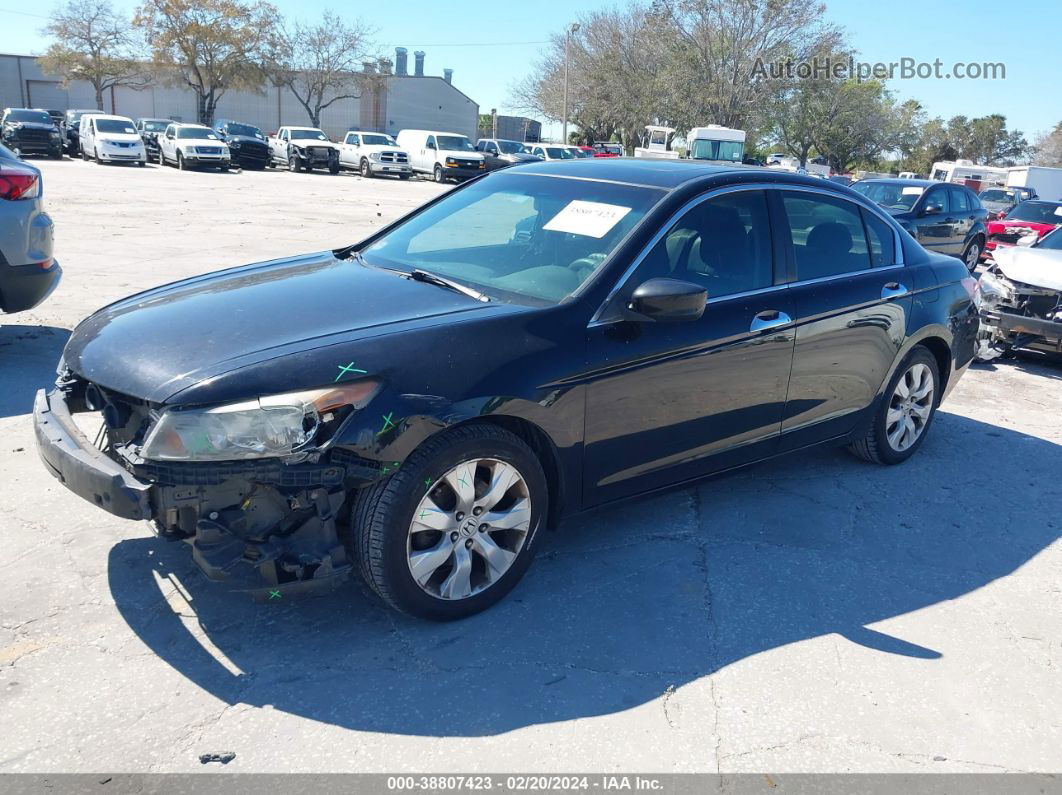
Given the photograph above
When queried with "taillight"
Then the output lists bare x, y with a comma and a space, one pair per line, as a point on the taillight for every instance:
17, 182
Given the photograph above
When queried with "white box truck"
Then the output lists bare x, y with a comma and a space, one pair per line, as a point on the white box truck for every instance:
1047, 182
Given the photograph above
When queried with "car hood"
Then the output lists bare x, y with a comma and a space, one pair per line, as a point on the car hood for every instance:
314, 142
200, 142
246, 139
381, 148
162, 341
460, 153
31, 125
1039, 267
120, 137
521, 157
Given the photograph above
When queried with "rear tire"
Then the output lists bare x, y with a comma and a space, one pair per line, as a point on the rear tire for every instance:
972, 255
885, 441
386, 535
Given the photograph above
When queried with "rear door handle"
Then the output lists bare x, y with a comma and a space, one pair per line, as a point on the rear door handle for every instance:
769, 318
893, 290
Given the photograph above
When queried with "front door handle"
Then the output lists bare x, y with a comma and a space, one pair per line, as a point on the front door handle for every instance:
893, 290
769, 319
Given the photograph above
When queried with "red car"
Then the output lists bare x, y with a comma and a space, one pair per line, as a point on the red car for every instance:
604, 149
1033, 216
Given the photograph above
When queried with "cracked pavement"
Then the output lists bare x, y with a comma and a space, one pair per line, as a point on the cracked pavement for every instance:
814, 613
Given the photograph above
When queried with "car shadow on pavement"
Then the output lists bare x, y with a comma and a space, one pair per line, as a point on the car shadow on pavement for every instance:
28, 358
626, 603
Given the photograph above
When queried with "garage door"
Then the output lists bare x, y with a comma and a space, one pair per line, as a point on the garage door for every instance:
47, 95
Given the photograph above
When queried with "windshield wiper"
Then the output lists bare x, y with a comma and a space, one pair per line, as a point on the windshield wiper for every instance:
419, 275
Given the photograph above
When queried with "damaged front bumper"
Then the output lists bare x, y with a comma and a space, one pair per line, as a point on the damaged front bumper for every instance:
262, 527
1017, 316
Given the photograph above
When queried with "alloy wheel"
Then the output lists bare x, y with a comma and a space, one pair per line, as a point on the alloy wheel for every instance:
468, 529
973, 253
910, 407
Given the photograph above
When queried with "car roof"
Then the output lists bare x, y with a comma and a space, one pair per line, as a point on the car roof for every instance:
108, 116
665, 174
296, 127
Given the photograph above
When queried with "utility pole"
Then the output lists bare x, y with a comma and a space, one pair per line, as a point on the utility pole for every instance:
572, 28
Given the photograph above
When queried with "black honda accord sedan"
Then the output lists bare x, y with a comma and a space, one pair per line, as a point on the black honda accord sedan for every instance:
537, 342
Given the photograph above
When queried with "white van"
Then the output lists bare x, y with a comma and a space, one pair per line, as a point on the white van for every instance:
110, 139
444, 155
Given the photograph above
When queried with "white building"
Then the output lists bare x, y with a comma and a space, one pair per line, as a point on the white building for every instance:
401, 100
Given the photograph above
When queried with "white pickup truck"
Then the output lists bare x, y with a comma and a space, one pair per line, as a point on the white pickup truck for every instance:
374, 153
303, 148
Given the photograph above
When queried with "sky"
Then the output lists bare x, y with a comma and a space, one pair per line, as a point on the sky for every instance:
490, 46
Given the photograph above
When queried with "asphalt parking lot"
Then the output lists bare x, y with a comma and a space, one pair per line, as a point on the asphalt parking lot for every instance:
812, 614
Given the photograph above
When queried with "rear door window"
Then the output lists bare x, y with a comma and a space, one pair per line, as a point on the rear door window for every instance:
882, 240
959, 203
828, 235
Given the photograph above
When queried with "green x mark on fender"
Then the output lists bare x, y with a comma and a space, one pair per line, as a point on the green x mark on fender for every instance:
388, 424
344, 369
274, 594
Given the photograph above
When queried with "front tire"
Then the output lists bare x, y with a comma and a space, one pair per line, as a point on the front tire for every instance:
293, 163
907, 408
452, 531
181, 165
366, 169
439, 176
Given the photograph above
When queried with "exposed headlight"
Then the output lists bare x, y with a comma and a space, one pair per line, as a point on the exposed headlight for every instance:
266, 427
375, 156
992, 289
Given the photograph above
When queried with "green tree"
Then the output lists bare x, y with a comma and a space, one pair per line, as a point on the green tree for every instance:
93, 43
210, 46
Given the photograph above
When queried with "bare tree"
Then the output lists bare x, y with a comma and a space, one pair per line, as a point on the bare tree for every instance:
93, 43
210, 45
319, 62
1048, 148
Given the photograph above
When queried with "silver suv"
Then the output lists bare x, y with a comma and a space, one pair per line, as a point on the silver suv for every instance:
28, 271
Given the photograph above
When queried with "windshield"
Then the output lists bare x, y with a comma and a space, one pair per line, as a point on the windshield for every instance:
377, 140
730, 151
308, 135
1036, 212
512, 148
155, 125
581, 152
559, 153
517, 236
243, 129
889, 194
196, 132
1052, 241
455, 142
997, 195
115, 126
36, 116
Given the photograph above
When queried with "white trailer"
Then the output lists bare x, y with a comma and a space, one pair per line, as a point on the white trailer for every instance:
1047, 182
968, 173
715, 143
655, 143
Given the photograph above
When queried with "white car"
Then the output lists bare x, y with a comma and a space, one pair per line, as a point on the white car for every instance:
444, 155
1020, 299
110, 139
193, 146
374, 153
303, 149
552, 151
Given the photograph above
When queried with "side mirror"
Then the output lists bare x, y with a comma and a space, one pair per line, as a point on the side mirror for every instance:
429, 145
932, 208
669, 300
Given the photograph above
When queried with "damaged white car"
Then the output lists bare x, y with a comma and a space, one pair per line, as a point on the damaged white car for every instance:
1020, 299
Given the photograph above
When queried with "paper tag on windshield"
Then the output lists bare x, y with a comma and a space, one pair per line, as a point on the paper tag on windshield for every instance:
912, 191
587, 218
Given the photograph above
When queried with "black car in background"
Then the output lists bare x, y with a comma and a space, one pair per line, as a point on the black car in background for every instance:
500, 153
71, 129
247, 144
547, 339
30, 132
944, 218
150, 130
